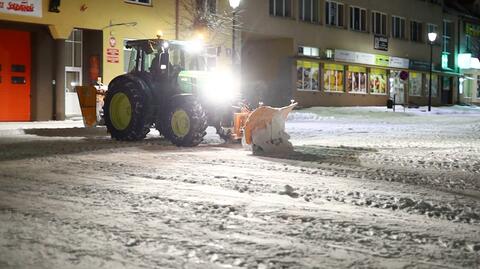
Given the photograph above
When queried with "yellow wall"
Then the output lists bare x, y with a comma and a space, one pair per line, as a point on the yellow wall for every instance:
100, 13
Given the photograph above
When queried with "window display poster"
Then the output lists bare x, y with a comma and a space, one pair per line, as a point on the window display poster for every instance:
357, 79
434, 85
333, 78
307, 75
378, 81
415, 84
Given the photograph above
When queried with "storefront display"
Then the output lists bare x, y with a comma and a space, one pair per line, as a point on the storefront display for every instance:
415, 84
357, 79
378, 81
308, 76
333, 78
434, 85
478, 87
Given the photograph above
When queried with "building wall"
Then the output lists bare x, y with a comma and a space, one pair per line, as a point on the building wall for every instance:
97, 19
259, 24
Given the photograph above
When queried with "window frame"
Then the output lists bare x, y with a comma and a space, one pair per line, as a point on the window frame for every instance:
314, 13
403, 34
337, 12
318, 77
272, 9
352, 14
136, 2
384, 19
419, 38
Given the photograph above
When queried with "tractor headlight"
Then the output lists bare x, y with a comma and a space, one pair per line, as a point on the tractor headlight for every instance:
221, 87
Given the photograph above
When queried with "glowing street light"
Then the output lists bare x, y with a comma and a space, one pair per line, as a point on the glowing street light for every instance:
234, 3
431, 37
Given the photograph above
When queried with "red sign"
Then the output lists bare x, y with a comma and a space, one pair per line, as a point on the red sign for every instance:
22, 7
113, 56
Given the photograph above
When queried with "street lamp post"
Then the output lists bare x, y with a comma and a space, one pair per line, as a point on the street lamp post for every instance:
431, 37
234, 5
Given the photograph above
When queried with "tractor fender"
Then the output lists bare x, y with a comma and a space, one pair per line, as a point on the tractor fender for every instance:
141, 83
174, 98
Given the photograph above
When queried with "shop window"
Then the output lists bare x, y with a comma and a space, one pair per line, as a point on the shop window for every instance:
357, 79
308, 74
141, 2
73, 49
281, 8
478, 87
379, 23
434, 85
308, 51
416, 31
334, 13
415, 84
468, 43
333, 78
398, 27
358, 19
467, 86
378, 81
308, 10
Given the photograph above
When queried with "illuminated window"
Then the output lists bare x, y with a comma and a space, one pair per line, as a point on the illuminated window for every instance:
308, 74
357, 79
333, 78
378, 81
415, 84
309, 51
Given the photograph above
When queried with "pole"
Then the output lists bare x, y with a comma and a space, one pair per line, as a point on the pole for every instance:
234, 22
430, 81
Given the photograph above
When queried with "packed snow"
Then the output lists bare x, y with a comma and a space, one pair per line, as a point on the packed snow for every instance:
363, 188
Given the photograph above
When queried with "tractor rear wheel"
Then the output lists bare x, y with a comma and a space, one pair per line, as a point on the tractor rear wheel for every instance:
185, 122
125, 112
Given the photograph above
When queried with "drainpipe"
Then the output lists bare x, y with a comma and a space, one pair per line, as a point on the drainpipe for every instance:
177, 18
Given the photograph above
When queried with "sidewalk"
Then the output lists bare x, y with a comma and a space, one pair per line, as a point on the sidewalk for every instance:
5, 126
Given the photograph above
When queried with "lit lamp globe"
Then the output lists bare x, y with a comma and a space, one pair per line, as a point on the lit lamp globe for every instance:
432, 37
234, 3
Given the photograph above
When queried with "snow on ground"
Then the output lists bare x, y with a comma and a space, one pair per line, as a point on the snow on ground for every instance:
365, 188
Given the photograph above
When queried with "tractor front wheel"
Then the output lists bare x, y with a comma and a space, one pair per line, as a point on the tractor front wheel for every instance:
185, 122
125, 112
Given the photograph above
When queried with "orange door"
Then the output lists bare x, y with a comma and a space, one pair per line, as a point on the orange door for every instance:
14, 75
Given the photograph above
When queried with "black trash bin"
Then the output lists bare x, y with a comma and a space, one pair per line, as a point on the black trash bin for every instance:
389, 103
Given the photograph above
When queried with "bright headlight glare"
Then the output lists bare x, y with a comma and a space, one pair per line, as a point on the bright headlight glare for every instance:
221, 87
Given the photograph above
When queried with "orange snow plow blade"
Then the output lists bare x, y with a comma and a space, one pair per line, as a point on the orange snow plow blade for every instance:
87, 95
262, 117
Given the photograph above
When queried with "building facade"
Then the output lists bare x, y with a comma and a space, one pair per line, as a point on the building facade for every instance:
349, 52
47, 47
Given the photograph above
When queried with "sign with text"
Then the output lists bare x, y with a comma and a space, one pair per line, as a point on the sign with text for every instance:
22, 7
371, 59
380, 43
472, 29
113, 55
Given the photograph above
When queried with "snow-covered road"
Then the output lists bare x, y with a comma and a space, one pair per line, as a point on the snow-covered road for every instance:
364, 189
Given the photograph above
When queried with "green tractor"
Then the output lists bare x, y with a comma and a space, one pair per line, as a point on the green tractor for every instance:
169, 88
